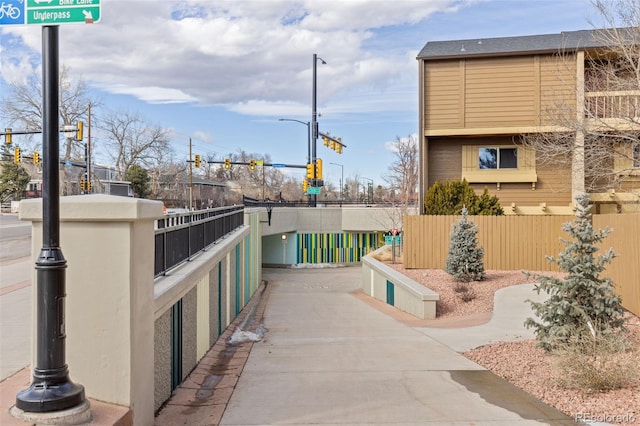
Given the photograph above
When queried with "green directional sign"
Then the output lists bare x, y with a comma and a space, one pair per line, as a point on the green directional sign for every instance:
51, 12
313, 190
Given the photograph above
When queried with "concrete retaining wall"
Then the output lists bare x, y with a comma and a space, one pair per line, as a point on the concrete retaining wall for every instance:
388, 285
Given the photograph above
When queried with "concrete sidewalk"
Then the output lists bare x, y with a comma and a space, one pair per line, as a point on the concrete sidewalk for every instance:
510, 310
328, 358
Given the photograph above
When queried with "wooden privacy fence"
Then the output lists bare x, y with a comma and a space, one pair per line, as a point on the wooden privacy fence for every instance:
625, 269
523, 242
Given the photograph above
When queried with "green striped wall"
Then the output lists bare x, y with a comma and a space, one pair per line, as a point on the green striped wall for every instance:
344, 247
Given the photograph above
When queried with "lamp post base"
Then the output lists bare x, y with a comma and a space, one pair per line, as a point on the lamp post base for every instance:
47, 395
78, 415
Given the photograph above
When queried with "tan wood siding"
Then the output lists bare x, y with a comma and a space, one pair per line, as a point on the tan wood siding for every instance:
445, 163
557, 87
500, 92
443, 95
445, 160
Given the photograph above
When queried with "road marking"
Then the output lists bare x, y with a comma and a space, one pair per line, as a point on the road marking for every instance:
8, 262
15, 225
14, 287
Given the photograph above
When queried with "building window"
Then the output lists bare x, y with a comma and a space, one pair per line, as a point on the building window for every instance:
498, 164
497, 158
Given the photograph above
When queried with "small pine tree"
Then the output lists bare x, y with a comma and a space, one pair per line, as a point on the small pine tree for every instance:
464, 261
582, 300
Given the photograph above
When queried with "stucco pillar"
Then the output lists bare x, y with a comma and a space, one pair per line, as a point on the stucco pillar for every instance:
108, 242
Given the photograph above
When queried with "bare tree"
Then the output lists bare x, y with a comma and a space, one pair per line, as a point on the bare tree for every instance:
22, 106
403, 179
601, 138
133, 139
402, 174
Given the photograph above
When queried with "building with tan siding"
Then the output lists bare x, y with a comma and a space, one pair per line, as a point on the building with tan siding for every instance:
479, 98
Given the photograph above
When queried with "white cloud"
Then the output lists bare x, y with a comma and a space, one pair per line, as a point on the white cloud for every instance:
252, 56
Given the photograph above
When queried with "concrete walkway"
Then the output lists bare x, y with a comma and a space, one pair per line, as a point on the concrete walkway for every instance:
510, 310
328, 358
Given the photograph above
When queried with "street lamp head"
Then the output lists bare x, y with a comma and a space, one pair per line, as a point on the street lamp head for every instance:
322, 61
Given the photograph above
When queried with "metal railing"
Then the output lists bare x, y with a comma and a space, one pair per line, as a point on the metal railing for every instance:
181, 236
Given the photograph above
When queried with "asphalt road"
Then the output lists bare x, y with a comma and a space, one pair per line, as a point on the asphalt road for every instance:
15, 237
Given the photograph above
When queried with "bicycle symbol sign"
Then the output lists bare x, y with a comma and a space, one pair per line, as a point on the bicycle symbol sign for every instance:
12, 12
49, 12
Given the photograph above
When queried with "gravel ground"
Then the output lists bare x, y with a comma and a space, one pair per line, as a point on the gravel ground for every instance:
522, 363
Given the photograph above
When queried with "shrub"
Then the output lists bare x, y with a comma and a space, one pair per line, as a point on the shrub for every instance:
448, 198
596, 361
582, 297
464, 261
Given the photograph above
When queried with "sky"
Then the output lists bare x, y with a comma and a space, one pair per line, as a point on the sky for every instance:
223, 72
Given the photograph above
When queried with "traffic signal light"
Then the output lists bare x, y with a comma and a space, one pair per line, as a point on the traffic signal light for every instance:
318, 168
7, 136
197, 161
80, 131
227, 163
311, 171
339, 149
16, 155
305, 186
333, 145
36, 158
88, 186
325, 141
82, 186
252, 164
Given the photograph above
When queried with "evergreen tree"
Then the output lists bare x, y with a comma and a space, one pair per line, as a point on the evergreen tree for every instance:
140, 182
14, 178
583, 300
488, 205
464, 261
448, 198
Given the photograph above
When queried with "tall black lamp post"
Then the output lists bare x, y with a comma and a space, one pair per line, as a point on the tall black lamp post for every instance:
314, 121
51, 388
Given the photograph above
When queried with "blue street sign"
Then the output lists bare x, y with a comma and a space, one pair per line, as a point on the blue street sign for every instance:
12, 12
278, 165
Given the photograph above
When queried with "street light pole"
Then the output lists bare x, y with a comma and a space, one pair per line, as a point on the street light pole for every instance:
51, 388
308, 135
314, 118
367, 190
341, 179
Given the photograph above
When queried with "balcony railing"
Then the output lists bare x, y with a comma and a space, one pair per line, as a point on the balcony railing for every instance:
619, 104
179, 237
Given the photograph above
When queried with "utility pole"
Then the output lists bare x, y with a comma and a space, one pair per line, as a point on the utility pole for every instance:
190, 177
88, 159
